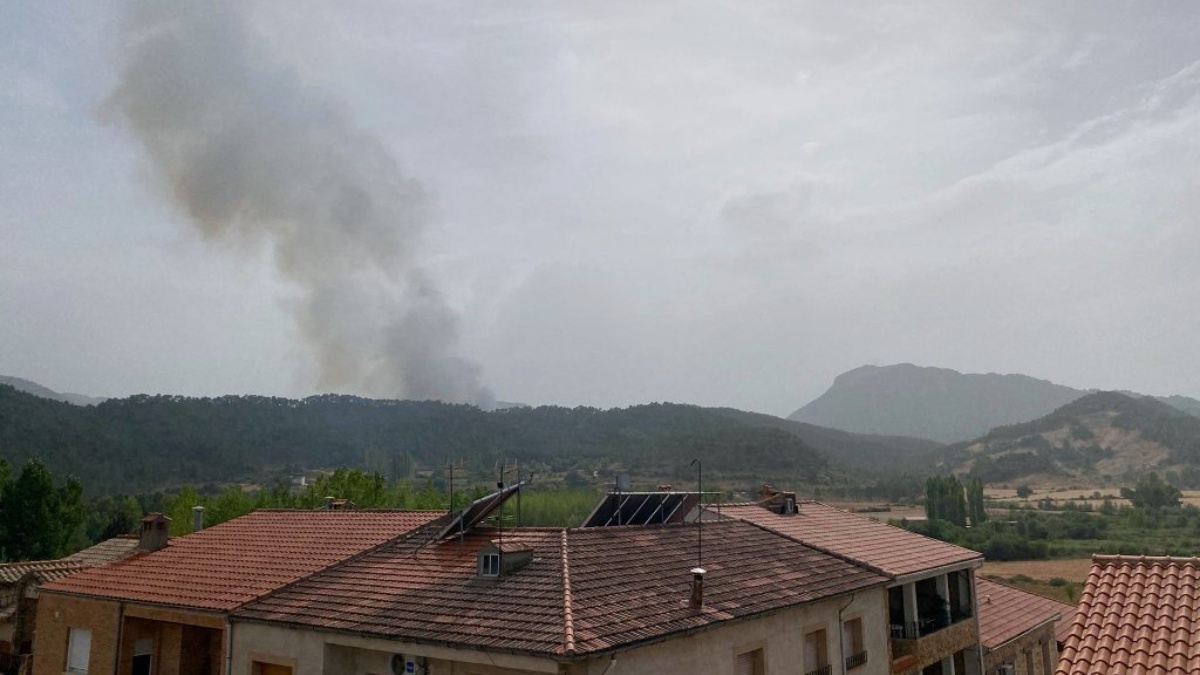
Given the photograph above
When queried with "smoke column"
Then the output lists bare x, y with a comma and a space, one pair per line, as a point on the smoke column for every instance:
252, 155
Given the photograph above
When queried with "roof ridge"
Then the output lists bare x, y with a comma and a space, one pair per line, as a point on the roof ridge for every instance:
840, 556
568, 614
1105, 559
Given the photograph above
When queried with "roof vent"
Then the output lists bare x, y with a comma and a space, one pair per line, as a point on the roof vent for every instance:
498, 559
333, 504
156, 529
777, 500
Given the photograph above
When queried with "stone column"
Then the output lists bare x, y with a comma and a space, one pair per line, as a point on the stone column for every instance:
943, 590
910, 606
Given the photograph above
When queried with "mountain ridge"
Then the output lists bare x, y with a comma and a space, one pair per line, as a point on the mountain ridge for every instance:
941, 404
31, 387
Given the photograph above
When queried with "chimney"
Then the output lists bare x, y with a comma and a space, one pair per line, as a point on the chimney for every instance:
197, 518
329, 502
155, 531
697, 600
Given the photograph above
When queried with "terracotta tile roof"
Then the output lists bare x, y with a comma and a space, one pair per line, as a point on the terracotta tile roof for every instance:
1136, 615
1005, 612
587, 590
232, 563
885, 548
10, 573
106, 551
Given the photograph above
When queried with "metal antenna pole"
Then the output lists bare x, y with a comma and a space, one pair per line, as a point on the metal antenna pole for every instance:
700, 513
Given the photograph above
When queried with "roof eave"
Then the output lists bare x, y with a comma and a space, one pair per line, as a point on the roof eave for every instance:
987, 649
973, 563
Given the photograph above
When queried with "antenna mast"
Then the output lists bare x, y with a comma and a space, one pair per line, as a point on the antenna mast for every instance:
699, 513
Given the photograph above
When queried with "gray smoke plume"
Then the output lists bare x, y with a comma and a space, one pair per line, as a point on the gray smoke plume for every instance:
251, 154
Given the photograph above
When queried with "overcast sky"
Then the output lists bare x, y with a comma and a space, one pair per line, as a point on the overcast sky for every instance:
722, 203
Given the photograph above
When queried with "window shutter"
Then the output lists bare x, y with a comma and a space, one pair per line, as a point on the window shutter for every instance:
79, 650
745, 664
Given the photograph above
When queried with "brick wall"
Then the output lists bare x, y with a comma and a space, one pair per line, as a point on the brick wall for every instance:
56, 615
185, 643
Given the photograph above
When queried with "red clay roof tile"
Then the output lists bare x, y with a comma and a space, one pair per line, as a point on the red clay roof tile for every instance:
1136, 615
1006, 612
890, 550
587, 590
232, 563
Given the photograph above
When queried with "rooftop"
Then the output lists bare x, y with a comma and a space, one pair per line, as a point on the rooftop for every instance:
1006, 612
1137, 614
887, 549
586, 590
236, 561
42, 570
106, 551
48, 570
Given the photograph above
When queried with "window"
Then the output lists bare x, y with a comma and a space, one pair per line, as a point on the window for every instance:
79, 650
750, 663
852, 639
816, 653
489, 565
143, 656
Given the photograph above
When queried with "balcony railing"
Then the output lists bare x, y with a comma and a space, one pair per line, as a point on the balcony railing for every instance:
856, 660
823, 670
911, 630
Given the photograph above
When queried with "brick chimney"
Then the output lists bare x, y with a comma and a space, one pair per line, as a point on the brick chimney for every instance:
156, 529
696, 601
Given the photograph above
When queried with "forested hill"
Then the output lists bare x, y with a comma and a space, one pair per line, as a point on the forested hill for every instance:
154, 442
1106, 437
862, 453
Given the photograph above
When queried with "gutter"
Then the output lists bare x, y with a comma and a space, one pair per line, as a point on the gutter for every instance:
1022, 634
228, 646
120, 628
842, 631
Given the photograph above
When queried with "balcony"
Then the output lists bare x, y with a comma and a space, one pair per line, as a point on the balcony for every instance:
823, 670
927, 625
856, 660
937, 644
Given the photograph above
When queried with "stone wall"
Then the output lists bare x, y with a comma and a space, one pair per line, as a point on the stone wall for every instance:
933, 648
1034, 653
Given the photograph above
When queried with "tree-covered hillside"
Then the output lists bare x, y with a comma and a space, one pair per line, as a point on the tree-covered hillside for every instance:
154, 442
1103, 437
